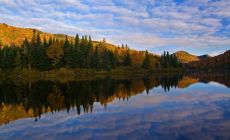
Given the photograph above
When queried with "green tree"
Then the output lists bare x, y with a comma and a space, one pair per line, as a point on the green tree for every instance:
26, 54
96, 59
7, 61
106, 62
77, 41
127, 59
146, 62
18, 60
45, 44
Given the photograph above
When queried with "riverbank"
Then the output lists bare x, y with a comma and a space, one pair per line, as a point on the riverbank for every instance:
65, 74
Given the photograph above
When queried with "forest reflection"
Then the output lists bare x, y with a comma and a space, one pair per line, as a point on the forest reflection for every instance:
21, 100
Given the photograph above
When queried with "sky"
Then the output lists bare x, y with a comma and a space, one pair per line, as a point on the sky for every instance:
197, 26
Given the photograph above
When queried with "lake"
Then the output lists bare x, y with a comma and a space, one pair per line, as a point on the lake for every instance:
195, 106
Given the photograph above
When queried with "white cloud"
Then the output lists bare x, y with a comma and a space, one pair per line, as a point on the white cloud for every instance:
142, 24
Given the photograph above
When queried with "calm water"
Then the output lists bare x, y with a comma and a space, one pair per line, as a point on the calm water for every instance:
155, 107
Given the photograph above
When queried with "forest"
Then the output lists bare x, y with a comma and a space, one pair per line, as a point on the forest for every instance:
46, 54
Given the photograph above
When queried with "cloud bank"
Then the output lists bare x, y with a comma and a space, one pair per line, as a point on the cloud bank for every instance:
198, 26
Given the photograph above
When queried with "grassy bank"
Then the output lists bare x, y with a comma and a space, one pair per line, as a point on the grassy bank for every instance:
65, 74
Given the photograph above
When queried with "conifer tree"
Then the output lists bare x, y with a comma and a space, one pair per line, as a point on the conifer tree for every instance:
45, 44
127, 59
18, 60
106, 62
146, 61
95, 59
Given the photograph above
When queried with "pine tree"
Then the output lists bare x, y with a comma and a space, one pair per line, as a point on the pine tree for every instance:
67, 53
38, 40
77, 41
146, 62
45, 44
7, 61
106, 62
18, 60
127, 59
95, 61
26, 54
50, 41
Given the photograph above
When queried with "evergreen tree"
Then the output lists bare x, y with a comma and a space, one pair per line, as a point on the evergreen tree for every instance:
18, 60
45, 44
50, 41
96, 59
113, 59
77, 41
38, 40
67, 53
146, 62
106, 62
26, 54
7, 61
169, 61
39, 59
127, 59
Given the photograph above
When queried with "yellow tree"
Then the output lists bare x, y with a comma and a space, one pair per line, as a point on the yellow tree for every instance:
55, 52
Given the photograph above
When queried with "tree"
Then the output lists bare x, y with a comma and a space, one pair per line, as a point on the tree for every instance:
7, 61
67, 58
169, 61
0, 42
26, 54
95, 59
17, 60
146, 61
45, 44
127, 59
38, 40
55, 52
50, 41
77, 41
106, 62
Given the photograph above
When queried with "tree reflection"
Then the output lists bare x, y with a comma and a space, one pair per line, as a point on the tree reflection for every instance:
34, 99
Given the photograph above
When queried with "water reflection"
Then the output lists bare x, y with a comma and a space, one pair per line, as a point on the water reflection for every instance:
155, 107
21, 100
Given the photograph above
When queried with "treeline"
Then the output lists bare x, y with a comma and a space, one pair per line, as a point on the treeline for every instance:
169, 61
217, 63
43, 55
53, 53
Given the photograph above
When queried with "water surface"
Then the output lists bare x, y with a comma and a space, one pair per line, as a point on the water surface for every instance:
154, 107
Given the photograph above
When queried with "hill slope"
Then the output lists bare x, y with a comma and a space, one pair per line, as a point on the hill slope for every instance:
185, 57
219, 62
10, 35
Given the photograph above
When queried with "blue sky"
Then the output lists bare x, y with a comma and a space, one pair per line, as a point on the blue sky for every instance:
197, 26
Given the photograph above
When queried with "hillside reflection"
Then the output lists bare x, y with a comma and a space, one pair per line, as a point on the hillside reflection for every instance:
21, 100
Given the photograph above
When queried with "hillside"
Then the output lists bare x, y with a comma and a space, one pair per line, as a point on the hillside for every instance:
185, 57
14, 36
10, 35
219, 62
204, 57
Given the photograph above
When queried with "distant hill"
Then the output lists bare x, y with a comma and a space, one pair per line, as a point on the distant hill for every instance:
11, 35
219, 62
185, 57
204, 56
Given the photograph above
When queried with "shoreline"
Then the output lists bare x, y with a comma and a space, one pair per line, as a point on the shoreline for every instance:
65, 74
